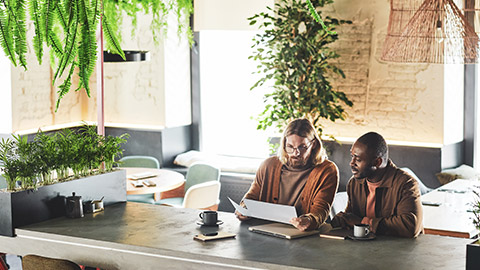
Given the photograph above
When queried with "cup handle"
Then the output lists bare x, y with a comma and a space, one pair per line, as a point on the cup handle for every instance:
200, 215
367, 231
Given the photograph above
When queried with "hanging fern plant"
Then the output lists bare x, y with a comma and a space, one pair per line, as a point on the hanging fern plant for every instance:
68, 28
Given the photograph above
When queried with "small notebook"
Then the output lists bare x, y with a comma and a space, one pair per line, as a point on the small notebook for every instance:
142, 175
326, 231
281, 230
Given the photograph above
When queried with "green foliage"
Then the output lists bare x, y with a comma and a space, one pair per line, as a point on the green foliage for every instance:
476, 210
37, 162
159, 9
294, 55
68, 28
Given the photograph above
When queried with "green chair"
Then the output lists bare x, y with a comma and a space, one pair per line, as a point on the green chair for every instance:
140, 162
197, 174
3, 182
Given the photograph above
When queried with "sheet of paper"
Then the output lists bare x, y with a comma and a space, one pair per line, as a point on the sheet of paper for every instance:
268, 211
271, 211
239, 209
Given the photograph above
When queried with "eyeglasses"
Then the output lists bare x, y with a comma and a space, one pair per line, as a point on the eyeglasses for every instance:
302, 148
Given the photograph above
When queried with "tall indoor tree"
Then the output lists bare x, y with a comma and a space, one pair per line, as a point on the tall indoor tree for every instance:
293, 53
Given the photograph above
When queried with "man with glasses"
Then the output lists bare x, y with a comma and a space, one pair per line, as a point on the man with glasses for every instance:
299, 176
379, 193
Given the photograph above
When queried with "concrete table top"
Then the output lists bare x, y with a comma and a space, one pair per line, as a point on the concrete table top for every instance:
142, 236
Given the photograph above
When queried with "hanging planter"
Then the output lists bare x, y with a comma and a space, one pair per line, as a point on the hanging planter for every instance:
130, 56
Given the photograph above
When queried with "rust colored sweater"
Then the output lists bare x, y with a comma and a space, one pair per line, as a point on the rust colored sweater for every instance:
316, 197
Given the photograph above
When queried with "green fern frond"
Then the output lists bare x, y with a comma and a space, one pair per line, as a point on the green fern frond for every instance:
55, 44
65, 86
48, 16
69, 51
60, 15
88, 45
112, 43
6, 40
38, 38
19, 32
11, 15
317, 18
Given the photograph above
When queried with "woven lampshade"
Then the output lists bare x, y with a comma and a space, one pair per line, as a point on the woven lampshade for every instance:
437, 32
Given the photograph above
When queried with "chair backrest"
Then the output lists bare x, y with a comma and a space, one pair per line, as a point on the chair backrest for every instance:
34, 262
423, 189
139, 161
339, 203
200, 173
202, 195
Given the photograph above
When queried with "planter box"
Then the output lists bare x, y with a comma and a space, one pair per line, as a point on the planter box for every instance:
31, 206
473, 256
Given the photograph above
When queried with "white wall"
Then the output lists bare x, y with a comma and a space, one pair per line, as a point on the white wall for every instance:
5, 95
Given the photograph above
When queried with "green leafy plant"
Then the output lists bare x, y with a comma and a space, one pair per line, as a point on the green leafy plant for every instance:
476, 210
158, 9
33, 163
68, 28
293, 54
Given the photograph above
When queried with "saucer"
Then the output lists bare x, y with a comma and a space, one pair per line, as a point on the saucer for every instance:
370, 236
199, 222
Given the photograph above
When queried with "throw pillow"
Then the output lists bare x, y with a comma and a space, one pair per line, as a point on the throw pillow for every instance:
461, 172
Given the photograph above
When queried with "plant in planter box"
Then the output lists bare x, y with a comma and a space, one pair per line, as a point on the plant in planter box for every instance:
33, 163
293, 53
9, 162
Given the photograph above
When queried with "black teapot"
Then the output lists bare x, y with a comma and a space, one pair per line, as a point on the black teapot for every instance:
73, 206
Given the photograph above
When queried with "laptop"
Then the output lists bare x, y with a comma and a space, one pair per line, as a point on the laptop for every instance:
281, 230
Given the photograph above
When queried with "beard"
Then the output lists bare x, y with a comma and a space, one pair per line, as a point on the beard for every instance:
297, 162
367, 172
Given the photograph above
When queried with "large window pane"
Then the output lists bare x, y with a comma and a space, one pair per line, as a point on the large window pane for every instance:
228, 106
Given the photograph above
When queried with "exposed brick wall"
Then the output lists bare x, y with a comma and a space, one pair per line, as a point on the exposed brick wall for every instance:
403, 102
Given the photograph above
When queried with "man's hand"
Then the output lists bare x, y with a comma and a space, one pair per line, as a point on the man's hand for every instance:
301, 223
240, 216
345, 220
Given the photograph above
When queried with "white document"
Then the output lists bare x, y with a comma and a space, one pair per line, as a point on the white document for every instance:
269, 211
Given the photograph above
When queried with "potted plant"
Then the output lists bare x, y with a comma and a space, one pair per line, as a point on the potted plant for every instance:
38, 174
473, 249
293, 53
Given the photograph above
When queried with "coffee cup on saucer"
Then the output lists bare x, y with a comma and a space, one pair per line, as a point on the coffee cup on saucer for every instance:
209, 218
361, 230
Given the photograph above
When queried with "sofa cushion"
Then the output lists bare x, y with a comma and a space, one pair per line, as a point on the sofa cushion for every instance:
225, 163
461, 172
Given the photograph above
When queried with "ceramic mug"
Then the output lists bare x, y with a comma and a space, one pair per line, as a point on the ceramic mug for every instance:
209, 218
361, 230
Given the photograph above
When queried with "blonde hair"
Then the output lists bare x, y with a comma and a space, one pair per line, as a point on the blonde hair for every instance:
303, 128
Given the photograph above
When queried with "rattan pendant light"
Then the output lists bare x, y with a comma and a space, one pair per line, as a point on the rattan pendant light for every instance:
436, 33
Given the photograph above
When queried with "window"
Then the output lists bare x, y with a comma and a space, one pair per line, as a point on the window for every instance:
228, 106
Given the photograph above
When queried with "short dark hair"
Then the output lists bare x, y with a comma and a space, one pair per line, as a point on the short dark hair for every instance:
375, 143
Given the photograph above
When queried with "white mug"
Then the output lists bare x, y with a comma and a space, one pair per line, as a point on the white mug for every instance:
361, 230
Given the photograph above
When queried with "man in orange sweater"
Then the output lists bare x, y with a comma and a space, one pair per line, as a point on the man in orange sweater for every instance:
300, 176
379, 193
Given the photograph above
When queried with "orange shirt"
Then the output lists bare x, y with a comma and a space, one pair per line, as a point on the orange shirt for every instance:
370, 208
